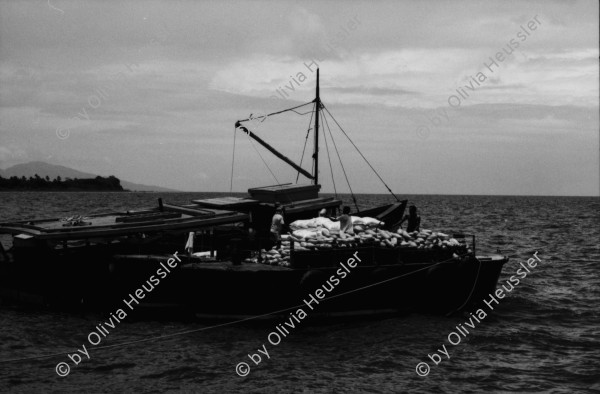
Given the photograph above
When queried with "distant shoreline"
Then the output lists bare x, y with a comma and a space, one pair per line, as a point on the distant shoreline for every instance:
63, 191
326, 194
45, 184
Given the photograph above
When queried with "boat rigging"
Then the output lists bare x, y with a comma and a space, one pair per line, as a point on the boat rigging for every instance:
319, 113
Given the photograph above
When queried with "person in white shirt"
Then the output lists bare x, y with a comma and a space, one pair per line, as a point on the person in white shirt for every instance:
345, 220
277, 226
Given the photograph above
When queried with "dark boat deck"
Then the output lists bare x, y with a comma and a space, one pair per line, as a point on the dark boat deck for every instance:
116, 224
228, 266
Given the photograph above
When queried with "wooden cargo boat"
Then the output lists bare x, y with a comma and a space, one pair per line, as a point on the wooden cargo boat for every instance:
100, 260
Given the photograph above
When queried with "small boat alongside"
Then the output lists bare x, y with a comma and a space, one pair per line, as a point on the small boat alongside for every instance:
230, 268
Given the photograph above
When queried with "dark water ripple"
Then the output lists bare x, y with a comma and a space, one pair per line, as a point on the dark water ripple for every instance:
543, 337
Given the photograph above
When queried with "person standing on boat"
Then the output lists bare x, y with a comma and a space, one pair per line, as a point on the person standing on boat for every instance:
345, 220
414, 220
277, 226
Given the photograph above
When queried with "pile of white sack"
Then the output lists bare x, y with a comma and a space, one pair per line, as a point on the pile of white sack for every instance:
323, 234
326, 223
276, 256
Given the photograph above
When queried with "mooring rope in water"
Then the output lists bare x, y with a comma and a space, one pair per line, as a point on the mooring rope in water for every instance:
180, 333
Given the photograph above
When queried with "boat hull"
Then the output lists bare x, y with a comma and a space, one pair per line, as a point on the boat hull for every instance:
100, 265
378, 283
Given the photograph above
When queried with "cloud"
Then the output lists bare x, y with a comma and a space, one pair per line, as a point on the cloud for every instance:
190, 69
420, 78
11, 153
385, 91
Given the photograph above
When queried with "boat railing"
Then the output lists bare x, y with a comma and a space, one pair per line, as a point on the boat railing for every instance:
463, 237
258, 243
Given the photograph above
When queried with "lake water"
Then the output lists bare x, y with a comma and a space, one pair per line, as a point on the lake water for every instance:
543, 337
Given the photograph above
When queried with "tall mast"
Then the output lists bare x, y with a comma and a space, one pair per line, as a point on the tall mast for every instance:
316, 152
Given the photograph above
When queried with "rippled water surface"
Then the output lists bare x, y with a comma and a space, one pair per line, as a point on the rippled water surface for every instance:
543, 337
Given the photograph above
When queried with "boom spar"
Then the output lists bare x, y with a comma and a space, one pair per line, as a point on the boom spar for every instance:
273, 150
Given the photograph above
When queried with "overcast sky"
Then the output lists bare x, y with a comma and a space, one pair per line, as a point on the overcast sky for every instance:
150, 91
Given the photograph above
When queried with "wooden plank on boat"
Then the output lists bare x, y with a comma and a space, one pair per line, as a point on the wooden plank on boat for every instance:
285, 193
310, 205
36, 222
195, 263
312, 201
301, 203
189, 211
18, 229
109, 222
226, 202
22, 225
147, 217
120, 230
228, 266
284, 187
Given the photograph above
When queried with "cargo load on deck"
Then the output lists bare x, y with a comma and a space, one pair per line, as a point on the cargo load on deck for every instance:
324, 234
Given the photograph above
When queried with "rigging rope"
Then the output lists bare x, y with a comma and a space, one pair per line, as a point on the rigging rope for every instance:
306, 141
342, 164
263, 160
358, 150
263, 118
302, 114
329, 158
278, 112
232, 160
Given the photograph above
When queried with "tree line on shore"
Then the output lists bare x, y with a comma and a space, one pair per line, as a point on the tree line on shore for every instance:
36, 182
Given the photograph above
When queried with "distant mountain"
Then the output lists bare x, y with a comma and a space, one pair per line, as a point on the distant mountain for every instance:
52, 171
